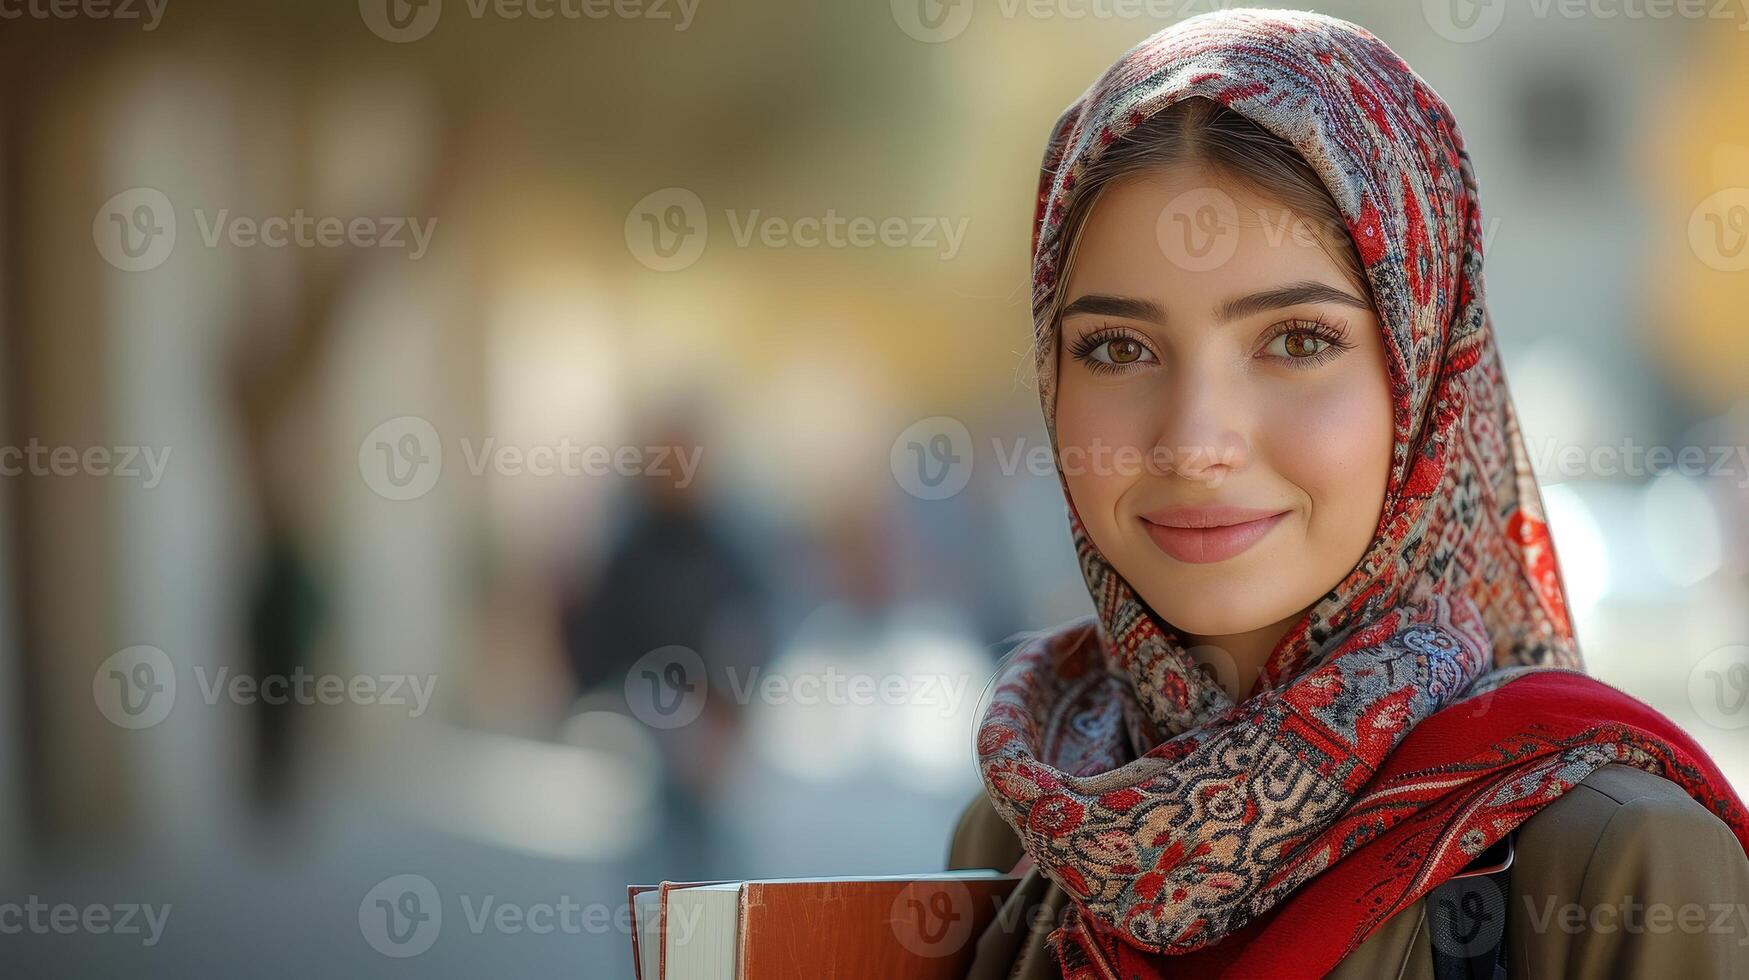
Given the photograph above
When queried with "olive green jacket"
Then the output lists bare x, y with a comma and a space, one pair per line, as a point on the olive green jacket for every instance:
1626, 876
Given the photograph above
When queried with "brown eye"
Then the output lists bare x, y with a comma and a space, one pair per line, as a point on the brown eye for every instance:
1300, 344
1306, 343
1109, 350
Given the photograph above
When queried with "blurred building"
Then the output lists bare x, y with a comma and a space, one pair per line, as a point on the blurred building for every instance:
356, 319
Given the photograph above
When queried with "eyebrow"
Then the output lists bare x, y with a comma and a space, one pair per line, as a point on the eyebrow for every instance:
1293, 294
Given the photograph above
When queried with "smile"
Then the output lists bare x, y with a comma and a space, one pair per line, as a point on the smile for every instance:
1203, 535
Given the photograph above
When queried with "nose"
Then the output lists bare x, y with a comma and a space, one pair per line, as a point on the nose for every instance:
1201, 420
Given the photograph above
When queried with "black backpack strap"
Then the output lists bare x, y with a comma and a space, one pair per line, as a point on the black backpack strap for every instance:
1466, 918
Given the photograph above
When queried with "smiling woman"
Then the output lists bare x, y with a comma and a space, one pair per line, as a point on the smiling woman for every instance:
1331, 695
1261, 379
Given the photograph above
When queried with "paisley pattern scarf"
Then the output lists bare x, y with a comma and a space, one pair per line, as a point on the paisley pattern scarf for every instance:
1419, 711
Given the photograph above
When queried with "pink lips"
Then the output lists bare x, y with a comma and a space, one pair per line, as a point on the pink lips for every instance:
1200, 535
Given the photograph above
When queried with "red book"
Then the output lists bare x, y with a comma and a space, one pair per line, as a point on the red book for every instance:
922, 927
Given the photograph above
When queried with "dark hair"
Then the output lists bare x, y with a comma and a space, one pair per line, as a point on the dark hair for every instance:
1201, 131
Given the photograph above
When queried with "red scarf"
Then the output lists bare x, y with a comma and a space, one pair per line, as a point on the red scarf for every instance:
1439, 778
1430, 703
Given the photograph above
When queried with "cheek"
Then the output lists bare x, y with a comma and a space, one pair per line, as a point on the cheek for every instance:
1092, 421
1334, 443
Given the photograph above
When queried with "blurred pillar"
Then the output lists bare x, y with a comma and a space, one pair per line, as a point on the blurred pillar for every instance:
53, 390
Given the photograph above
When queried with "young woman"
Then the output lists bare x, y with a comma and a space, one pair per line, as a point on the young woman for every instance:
1330, 717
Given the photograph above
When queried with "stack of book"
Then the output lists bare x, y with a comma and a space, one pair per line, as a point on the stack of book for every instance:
914, 926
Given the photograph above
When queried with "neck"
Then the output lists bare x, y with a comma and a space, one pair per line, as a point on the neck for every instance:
1241, 656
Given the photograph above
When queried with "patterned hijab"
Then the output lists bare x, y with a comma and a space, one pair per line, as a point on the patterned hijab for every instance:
1174, 817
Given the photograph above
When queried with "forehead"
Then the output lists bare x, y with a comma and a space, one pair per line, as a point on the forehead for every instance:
1186, 234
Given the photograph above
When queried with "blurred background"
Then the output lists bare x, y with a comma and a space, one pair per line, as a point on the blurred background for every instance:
462, 457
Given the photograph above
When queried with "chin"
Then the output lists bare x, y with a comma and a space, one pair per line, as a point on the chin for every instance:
1221, 609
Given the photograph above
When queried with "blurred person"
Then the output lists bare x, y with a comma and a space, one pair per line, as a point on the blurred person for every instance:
944, 550
1330, 712
677, 613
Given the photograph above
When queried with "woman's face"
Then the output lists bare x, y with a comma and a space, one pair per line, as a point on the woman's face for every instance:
1223, 409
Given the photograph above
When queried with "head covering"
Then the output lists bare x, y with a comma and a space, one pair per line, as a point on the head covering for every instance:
1174, 817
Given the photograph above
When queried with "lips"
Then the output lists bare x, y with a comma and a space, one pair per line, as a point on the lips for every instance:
1201, 535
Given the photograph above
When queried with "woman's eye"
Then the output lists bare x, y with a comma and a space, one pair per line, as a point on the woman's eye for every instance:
1304, 346
1116, 352
1301, 344
1123, 351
